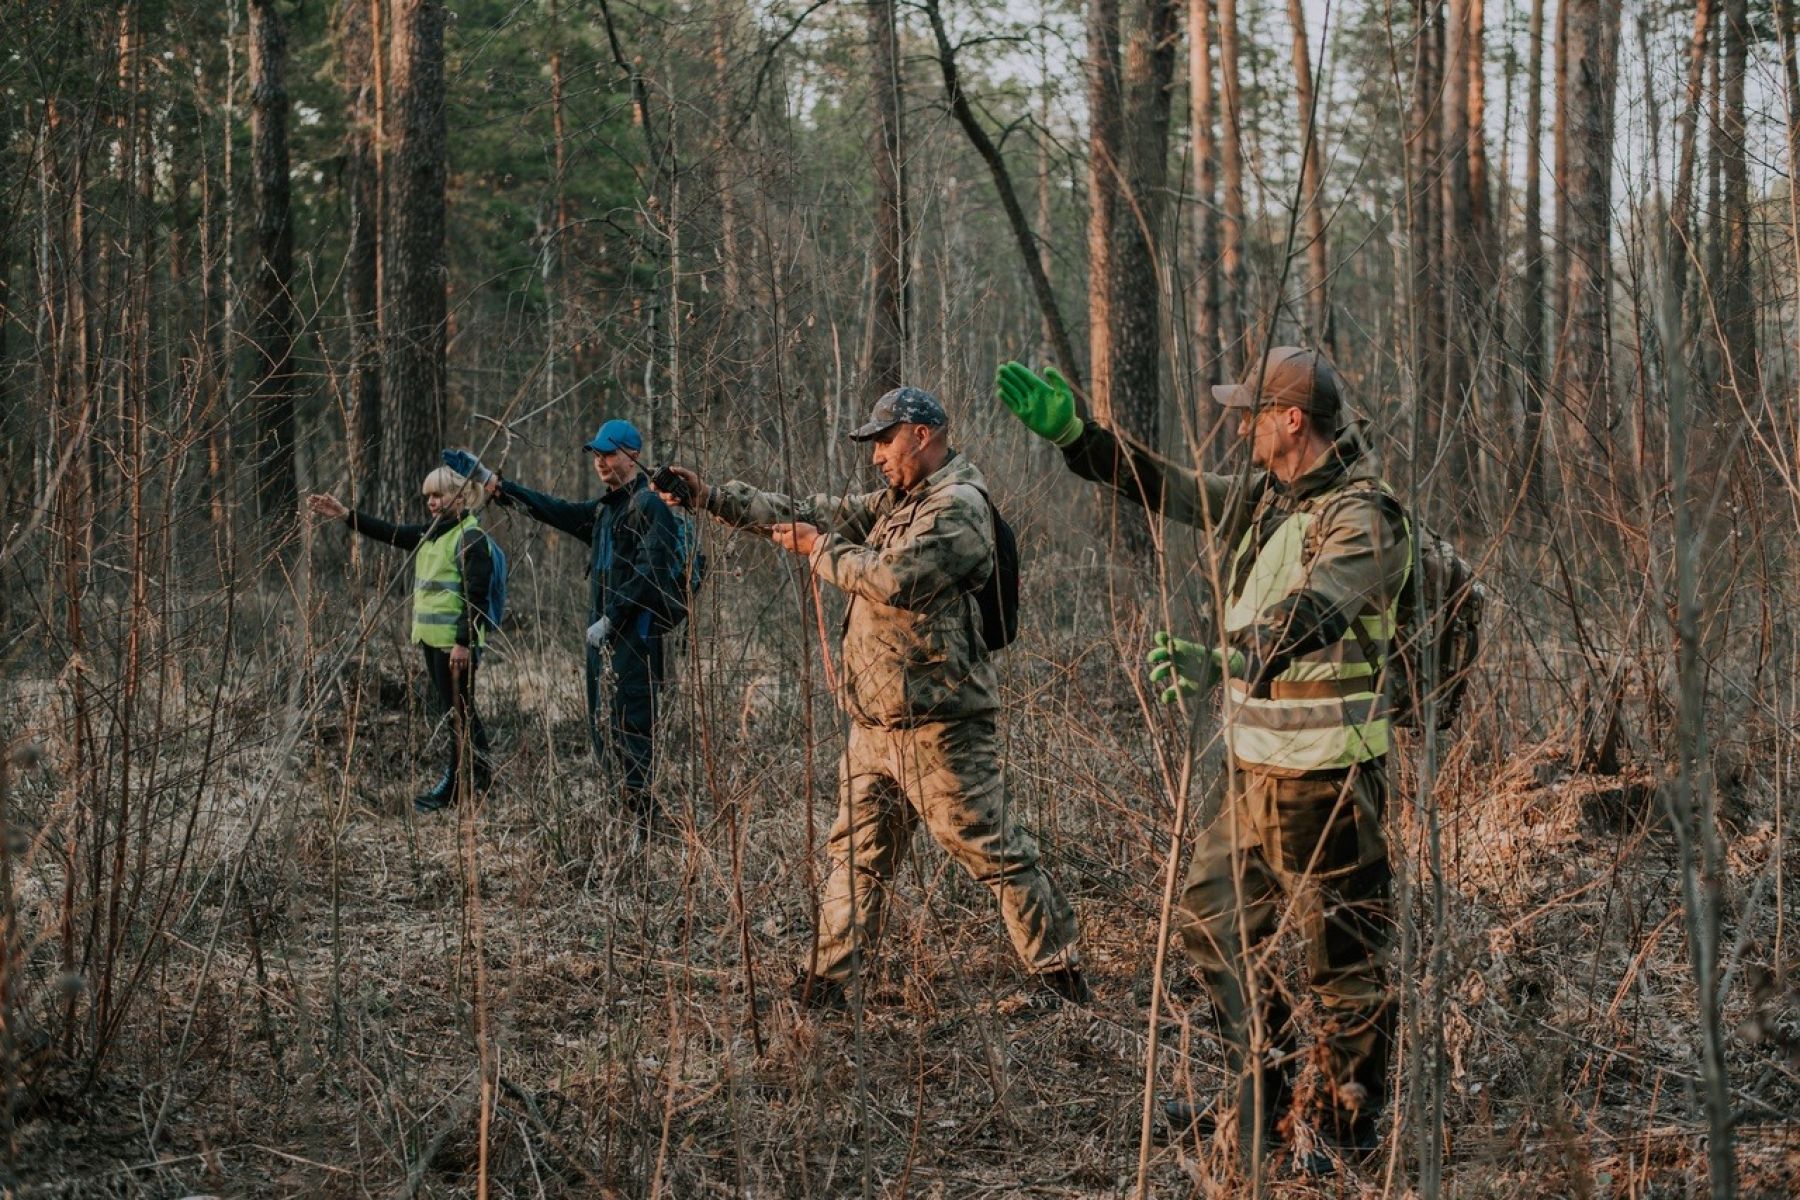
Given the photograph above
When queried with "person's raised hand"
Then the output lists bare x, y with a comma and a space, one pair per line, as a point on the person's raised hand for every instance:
696, 489
1046, 405
329, 507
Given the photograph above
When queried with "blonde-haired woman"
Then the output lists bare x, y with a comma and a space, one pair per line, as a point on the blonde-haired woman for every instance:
453, 569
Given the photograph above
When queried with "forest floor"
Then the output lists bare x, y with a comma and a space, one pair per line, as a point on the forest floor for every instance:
326, 1030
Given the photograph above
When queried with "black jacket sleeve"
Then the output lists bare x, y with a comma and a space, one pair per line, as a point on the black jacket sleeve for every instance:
407, 537
477, 559
1137, 474
573, 517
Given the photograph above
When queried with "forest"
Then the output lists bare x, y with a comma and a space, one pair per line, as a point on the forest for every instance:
261, 249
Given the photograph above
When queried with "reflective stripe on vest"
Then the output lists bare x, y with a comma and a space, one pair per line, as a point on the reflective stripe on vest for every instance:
437, 589
1324, 711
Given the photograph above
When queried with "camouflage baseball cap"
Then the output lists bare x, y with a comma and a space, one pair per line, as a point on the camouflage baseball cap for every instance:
902, 406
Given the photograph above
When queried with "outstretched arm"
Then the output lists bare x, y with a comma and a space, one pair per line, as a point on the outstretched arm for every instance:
573, 517
1046, 406
948, 549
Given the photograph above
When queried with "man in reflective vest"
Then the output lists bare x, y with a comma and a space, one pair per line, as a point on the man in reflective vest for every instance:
1314, 554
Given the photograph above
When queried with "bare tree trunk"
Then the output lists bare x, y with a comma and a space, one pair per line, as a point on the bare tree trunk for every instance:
272, 381
1134, 400
1457, 232
1206, 172
1424, 217
1531, 341
1104, 128
1231, 170
889, 315
1680, 232
1584, 229
1737, 308
412, 379
1318, 306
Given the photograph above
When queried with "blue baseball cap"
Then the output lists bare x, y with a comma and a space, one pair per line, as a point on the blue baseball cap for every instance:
616, 435
902, 406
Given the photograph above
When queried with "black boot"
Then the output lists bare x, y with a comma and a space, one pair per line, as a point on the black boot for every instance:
1065, 985
818, 993
439, 797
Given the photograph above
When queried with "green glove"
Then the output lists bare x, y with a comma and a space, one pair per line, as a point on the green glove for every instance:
1046, 406
1179, 666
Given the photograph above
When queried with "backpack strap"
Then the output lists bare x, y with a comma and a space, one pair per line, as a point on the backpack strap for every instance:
1356, 489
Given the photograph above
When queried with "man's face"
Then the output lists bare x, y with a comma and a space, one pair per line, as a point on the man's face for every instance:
1270, 430
899, 453
614, 467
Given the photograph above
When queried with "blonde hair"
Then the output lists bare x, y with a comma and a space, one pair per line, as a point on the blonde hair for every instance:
445, 482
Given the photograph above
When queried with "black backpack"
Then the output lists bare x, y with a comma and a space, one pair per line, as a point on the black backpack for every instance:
998, 595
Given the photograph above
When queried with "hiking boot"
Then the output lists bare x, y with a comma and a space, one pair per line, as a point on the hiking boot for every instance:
818, 994
439, 797
1065, 985
1186, 1119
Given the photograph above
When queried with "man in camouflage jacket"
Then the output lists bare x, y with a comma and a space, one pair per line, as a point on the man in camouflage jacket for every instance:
1315, 552
919, 689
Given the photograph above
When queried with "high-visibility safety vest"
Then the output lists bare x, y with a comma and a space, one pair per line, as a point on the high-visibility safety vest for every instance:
438, 589
1326, 710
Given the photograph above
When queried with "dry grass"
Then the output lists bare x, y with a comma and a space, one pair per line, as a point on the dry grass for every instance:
325, 1031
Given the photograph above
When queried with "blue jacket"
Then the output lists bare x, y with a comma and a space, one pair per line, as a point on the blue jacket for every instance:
634, 571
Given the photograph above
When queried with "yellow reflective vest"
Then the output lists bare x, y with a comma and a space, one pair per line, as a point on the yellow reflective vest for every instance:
1326, 710
438, 589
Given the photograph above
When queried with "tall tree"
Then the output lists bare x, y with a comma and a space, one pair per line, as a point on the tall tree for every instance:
1312, 174
1105, 124
357, 49
272, 379
412, 251
1231, 173
1737, 306
889, 313
1680, 235
1531, 315
1424, 211
1206, 172
1141, 206
1590, 53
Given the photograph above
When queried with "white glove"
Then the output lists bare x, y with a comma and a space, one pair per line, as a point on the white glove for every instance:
599, 633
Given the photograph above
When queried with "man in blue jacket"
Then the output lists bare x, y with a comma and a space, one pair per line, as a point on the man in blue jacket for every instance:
634, 598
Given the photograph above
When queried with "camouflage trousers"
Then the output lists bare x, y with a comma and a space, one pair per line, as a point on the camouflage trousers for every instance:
1306, 858
947, 773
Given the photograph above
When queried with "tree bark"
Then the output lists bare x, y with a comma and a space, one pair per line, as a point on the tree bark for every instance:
413, 371
1104, 128
1531, 341
889, 310
1584, 230
1206, 187
1312, 173
362, 193
1231, 171
272, 380
1681, 242
1737, 307
1424, 215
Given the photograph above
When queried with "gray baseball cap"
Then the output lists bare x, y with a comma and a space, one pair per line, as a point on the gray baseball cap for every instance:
902, 406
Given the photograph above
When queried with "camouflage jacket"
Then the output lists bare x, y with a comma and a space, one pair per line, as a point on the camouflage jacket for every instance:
1359, 557
910, 564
